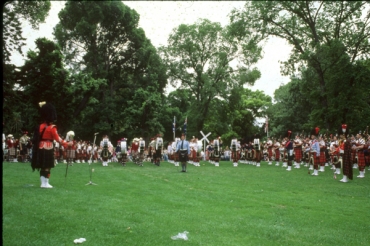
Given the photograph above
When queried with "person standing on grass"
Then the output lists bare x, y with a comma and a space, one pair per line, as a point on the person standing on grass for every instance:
347, 160
183, 148
315, 150
360, 147
23, 141
43, 149
289, 150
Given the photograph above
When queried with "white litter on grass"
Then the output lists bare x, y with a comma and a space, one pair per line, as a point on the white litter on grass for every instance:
183, 235
80, 240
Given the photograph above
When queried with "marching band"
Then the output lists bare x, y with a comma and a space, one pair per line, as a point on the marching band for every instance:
315, 153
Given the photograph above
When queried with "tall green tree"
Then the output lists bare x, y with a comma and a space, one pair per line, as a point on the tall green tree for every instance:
199, 58
44, 78
313, 28
102, 40
14, 14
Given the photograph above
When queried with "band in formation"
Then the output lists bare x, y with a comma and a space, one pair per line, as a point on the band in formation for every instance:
340, 151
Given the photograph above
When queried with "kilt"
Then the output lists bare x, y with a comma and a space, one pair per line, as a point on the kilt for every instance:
45, 159
194, 155
298, 154
183, 155
347, 161
270, 151
234, 156
11, 151
70, 154
24, 150
158, 154
277, 154
361, 160
322, 157
258, 156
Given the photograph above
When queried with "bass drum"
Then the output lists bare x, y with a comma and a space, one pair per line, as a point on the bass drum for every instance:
124, 147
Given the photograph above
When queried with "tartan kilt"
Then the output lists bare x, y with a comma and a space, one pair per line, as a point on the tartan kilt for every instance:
193, 154
269, 150
24, 150
70, 153
11, 151
45, 159
361, 159
316, 159
298, 154
277, 155
322, 157
234, 155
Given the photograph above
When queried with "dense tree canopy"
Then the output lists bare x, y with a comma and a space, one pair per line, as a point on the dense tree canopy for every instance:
199, 58
104, 75
326, 37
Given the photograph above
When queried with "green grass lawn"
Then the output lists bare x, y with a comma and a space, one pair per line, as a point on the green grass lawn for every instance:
224, 205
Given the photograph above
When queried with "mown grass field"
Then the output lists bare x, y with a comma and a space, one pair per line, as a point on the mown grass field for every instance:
224, 205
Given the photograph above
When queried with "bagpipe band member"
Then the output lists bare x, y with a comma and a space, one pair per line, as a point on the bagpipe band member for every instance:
277, 152
183, 149
269, 150
258, 149
23, 142
354, 152
335, 157
43, 149
242, 154
322, 154
78, 152
347, 160
199, 151
360, 147
152, 150
297, 144
315, 150
289, 150
12, 153
71, 148
176, 153
216, 152
141, 150
123, 144
158, 150
135, 150
195, 152
306, 154
105, 154
234, 151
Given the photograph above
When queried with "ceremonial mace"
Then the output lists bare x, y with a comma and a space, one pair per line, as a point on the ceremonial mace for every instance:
92, 153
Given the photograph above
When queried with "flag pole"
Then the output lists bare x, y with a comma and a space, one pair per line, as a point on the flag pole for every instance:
174, 127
